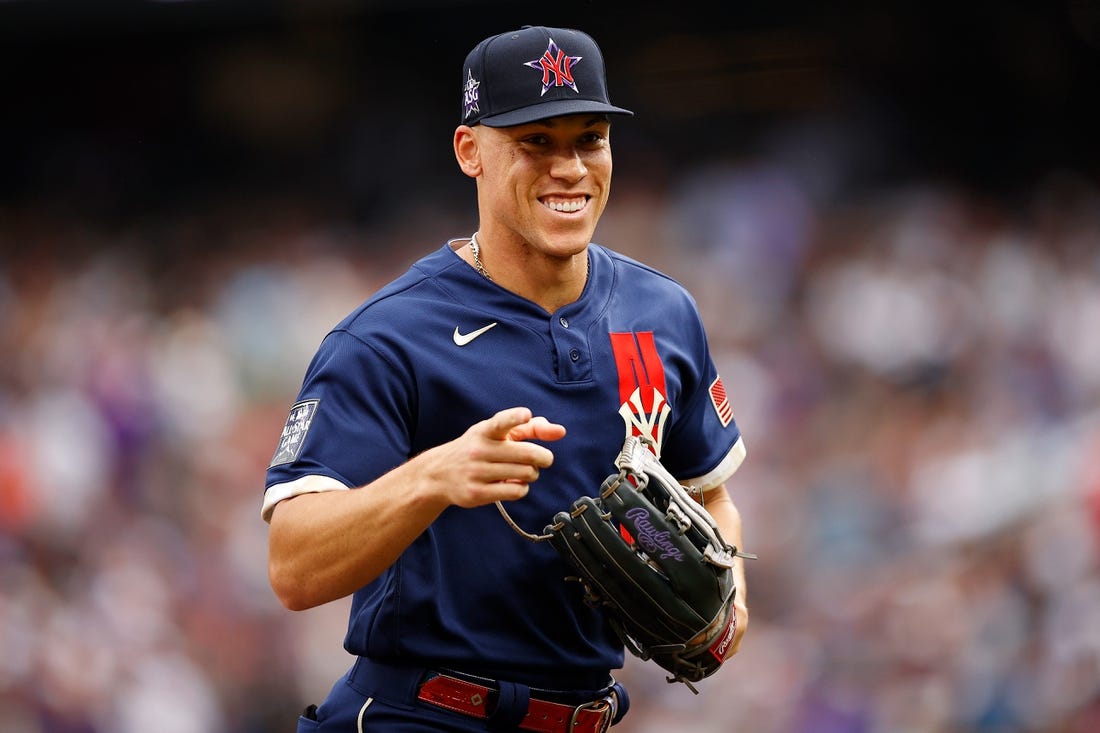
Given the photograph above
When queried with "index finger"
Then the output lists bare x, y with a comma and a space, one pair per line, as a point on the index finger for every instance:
500, 425
537, 428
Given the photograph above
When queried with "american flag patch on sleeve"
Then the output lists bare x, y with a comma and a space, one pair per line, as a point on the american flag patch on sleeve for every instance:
721, 402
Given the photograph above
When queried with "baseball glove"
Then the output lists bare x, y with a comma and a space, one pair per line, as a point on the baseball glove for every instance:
652, 557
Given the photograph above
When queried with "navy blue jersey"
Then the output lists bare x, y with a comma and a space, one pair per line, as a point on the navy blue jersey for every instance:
442, 348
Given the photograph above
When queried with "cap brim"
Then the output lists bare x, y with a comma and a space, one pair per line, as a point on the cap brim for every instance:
551, 108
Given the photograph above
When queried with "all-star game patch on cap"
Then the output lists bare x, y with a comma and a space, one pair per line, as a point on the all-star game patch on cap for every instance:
536, 72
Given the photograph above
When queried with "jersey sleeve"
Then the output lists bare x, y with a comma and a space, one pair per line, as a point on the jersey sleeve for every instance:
348, 425
705, 447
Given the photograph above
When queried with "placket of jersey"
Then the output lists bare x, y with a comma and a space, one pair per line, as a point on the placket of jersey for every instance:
574, 355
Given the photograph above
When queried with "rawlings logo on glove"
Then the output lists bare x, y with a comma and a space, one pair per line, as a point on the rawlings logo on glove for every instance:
650, 539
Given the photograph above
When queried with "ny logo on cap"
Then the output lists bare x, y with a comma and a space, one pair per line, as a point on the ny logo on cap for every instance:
554, 62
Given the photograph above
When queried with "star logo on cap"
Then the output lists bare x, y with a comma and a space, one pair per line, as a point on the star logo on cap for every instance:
470, 94
556, 67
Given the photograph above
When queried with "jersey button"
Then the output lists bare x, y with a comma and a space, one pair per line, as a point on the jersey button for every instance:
564, 323
574, 354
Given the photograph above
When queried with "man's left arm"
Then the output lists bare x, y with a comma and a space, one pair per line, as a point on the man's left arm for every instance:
718, 502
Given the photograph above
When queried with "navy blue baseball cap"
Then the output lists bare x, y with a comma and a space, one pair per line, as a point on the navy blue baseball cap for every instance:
536, 72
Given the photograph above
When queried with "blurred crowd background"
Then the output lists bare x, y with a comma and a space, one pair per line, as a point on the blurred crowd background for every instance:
889, 214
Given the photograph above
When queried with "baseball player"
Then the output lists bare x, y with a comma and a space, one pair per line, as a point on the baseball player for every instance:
507, 366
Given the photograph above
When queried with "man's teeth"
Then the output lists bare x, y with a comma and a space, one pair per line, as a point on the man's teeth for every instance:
566, 206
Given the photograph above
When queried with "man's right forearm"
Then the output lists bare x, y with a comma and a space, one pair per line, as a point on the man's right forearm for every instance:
325, 546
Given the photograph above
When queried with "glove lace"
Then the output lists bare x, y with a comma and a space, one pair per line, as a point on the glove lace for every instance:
520, 530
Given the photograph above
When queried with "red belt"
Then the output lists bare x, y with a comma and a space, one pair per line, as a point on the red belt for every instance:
472, 699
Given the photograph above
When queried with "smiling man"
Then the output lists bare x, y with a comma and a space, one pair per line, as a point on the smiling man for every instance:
505, 369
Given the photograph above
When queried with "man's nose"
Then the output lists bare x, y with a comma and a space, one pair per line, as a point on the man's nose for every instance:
569, 166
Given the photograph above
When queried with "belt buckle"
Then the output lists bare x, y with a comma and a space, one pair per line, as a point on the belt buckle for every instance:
605, 706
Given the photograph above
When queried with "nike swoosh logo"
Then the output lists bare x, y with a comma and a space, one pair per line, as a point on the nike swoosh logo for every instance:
461, 339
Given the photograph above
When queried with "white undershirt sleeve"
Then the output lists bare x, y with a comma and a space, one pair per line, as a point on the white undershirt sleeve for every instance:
304, 485
726, 468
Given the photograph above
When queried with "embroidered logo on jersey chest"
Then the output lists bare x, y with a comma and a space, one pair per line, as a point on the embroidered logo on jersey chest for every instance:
294, 432
642, 388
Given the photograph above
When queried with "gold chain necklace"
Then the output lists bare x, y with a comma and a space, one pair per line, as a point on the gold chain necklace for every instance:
476, 249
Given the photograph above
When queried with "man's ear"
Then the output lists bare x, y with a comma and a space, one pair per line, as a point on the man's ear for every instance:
467, 151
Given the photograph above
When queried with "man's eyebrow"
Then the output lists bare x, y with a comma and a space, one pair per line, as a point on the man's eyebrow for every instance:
553, 121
